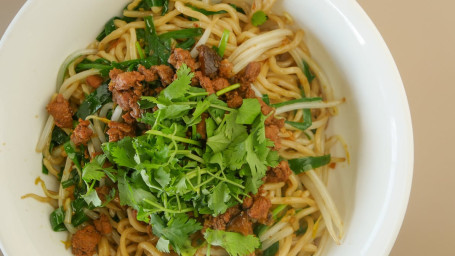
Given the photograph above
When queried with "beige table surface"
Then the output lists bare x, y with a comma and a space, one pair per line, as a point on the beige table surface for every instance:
421, 37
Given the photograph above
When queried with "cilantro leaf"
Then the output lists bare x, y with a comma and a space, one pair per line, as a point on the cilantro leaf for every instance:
162, 177
132, 194
201, 107
92, 198
95, 171
248, 112
218, 199
257, 167
258, 18
215, 112
163, 245
234, 243
181, 85
218, 142
233, 128
177, 231
235, 155
174, 111
123, 152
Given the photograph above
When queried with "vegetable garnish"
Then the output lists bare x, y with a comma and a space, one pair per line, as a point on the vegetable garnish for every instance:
306, 70
304, 164
258, 18
223, 42
94, 101
234, 243
56, 219
163, 174
307, 120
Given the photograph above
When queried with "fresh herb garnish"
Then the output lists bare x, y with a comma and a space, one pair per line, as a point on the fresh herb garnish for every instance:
234, 243
176, 232
166, 173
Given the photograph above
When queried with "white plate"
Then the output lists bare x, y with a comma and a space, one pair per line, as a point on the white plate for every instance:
372, 193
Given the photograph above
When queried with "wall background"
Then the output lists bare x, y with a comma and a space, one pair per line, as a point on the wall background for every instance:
421, 37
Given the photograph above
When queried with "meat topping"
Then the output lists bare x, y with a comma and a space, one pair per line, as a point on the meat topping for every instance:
102, 192
205, 82
225, 69
210, 61
118, 131
241, 224
247, 202
102, 224
180, 56
219, 222
85, 240
272, 128
126, 91
249, 73
149, 74
271, 133
60, 109
165, 73
279, 173
233, 99
94, 81
81, 135
260, 209
220, 83
265, 109
246, 92
125, 80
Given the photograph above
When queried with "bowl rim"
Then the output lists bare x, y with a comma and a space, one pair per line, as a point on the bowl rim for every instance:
401, 201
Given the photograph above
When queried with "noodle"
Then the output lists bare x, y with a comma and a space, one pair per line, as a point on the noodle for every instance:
304, 214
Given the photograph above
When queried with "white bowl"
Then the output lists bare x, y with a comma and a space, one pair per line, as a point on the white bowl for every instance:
372, 192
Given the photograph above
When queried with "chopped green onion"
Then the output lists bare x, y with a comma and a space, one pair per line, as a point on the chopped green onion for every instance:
223, 42
289, 102
228, 89
307, 72
304, 164
56, 218
140, 51
258, 18
272, 250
